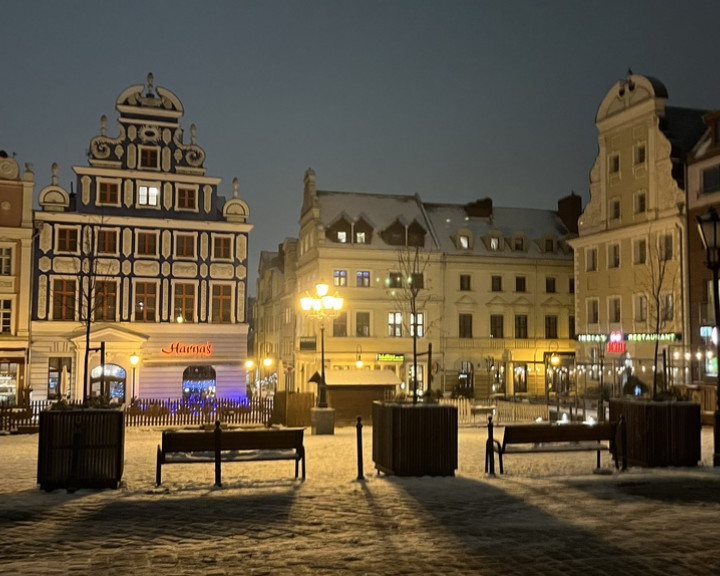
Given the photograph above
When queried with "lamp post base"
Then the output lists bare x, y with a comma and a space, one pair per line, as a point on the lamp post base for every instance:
323, 420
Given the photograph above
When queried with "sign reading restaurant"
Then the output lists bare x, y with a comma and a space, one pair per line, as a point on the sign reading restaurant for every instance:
182, 349
631, 337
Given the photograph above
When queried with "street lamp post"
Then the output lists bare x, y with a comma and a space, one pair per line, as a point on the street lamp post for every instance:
709, 228
134, 359
322, 306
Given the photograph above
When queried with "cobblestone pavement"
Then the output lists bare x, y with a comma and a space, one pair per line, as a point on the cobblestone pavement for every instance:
549, 514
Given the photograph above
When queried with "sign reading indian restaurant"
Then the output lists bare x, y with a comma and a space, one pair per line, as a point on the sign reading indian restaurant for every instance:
182, 349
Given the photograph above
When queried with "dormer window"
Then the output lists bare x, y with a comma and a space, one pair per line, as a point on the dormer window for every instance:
518, 244
549, 245
360, 238
416, 235
342, 236
340, 231
149, 156
494, 244
464, 241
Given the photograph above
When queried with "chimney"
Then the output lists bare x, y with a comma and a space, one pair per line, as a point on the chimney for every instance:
569, 210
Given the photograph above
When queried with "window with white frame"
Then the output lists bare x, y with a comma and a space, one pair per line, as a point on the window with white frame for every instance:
615, 209
148, 195
551, 326
222, 304
145, 303
339, 277
107, 241
185, 245
5, 316
184, 302
149, 157
105, 309
67, 239
64, 299
222, 247
187, 198
362, 279
6, 261
394, 324
497, 322
146, 243
108, 192
418, 320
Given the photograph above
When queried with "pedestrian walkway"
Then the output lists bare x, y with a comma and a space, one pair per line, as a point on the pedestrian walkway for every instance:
550, 514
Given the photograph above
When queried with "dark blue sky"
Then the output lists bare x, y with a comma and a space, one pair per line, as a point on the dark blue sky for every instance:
454, 100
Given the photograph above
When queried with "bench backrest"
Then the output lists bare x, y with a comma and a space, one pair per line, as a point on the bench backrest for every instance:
261, 439
532, 433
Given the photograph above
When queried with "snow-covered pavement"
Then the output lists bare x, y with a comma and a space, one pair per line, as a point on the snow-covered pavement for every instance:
550, 514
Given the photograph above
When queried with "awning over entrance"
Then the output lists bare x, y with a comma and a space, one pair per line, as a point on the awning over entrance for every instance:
361, 378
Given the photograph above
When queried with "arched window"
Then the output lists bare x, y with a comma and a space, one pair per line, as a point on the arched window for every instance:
108, 381
198, 383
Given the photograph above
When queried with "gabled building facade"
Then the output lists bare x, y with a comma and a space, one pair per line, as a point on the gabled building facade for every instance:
16, 231
631, 253
144, 259
495, 301
703, 187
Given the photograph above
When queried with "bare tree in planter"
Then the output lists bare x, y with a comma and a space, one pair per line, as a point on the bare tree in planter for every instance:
658, 280
405, 286
97, 297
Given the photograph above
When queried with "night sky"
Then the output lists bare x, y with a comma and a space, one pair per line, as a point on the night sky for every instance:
452, 100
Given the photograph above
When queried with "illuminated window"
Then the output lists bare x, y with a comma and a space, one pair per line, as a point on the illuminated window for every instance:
494, 244
148, 195
362, 279
342, 236
395, 324
420, 324
339, 277
464, 242
360, 238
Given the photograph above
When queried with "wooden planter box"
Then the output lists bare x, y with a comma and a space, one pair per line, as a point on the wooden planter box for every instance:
415, 440
81, 449
660, 433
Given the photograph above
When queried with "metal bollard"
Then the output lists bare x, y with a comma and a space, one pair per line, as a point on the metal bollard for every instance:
490, 450
360, 475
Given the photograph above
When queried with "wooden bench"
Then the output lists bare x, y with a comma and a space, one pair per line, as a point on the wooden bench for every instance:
192, 446
556, 437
